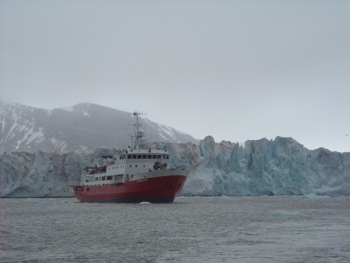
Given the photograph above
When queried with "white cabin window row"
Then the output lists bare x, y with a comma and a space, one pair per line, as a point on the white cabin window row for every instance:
115, 167
102, 178
144, 156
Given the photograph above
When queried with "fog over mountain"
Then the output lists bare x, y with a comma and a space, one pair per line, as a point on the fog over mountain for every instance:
84, 127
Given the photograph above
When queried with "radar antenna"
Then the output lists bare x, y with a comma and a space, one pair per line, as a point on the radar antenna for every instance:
137, 140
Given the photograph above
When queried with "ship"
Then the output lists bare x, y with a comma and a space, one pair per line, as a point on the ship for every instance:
134, 175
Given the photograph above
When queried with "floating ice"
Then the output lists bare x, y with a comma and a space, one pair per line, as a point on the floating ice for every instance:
144, 203
285, 213
314, 196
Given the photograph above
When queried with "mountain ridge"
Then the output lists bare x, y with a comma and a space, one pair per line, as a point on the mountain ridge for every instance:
84, 126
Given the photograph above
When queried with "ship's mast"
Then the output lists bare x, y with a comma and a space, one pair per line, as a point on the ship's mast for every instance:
138, 135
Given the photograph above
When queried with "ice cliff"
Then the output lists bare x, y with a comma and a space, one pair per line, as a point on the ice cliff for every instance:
259, 167
267, 167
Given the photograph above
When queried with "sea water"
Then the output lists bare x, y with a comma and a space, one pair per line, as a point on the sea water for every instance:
192, 229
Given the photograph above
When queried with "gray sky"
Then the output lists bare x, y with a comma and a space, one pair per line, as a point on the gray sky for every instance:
236, 70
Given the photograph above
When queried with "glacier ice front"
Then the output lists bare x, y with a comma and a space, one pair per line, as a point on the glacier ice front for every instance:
261, 167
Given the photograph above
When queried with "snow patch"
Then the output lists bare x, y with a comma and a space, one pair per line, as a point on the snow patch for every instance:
167, 130
86, 113
70, 109
58, 144
38, 135
164, 130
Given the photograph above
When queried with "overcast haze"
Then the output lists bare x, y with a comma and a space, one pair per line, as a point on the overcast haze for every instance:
236, 70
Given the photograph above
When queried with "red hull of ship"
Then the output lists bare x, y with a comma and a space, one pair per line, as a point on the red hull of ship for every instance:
161, 189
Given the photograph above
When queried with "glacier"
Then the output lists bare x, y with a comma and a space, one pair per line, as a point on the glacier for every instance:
259, 167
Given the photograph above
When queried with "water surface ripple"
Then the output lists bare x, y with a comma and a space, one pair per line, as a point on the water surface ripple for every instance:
196, 229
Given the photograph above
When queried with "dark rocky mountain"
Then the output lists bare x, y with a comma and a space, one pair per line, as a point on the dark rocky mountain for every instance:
84, 127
